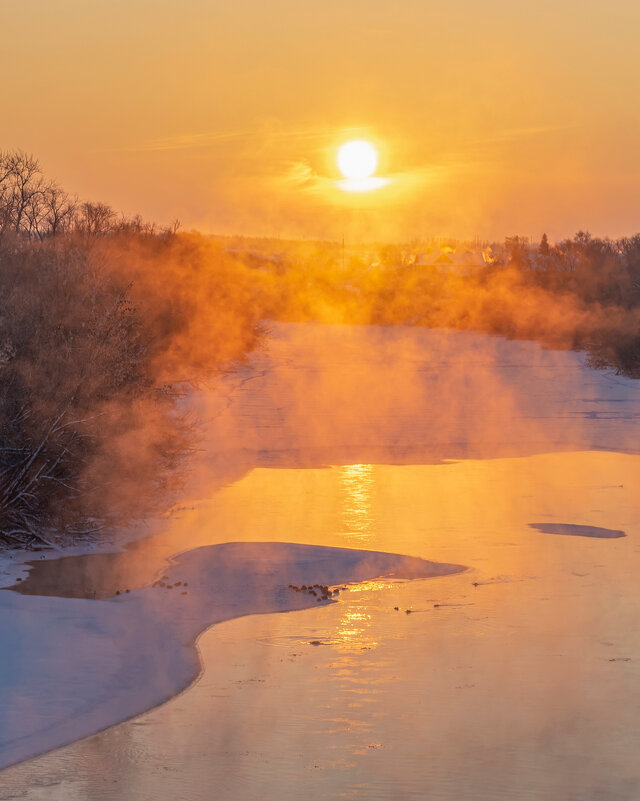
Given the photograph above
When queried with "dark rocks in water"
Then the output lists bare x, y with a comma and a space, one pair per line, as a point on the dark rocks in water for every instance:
321, 590
315, 642
574, 530
313, 589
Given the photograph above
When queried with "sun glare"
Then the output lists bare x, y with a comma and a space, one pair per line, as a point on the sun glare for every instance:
357, 160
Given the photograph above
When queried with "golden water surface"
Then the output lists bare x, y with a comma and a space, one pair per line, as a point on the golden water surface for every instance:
517, 679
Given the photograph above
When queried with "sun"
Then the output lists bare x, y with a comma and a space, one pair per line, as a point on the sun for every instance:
357, 160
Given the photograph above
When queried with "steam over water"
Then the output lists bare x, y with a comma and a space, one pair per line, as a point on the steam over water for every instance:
516, 679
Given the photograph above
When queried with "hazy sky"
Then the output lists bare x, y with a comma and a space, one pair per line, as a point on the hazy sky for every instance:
492, 117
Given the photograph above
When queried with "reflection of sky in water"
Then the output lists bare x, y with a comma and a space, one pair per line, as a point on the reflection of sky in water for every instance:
356, 484
528, 680
522, 687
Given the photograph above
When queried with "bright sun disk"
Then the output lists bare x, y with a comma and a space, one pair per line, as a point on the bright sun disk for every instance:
357, 160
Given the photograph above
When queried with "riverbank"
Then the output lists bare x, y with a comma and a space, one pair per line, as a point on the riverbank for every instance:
76, 666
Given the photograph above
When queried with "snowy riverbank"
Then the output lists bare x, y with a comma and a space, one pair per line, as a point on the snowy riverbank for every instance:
72, 667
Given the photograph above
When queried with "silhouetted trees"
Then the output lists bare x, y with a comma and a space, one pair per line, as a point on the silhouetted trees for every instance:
103, 323
543, 247
517, 250
72, 344
582, 292
30, 204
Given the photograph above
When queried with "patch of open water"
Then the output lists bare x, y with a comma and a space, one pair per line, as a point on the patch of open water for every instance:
515, 680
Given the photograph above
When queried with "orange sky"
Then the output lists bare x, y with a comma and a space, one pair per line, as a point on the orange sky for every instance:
493, 118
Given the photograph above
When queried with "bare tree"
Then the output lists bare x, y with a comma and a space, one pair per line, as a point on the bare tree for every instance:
59, 210
69, 350
22, 187
95, 219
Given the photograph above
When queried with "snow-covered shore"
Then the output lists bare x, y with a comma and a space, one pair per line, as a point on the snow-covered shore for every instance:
72, 667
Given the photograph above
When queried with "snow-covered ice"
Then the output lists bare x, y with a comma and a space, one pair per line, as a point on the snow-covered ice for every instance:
71, 667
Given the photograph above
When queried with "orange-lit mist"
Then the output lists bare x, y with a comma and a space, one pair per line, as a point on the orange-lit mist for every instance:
445, 445
362, 398
388, 431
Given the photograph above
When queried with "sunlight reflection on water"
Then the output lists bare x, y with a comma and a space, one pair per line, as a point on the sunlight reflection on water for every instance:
524, 671
517, 680
357, 484
529, 707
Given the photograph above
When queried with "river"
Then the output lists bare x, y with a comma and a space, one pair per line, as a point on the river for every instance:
515, 679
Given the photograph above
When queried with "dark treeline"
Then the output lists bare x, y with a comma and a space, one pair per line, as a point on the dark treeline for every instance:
597, 280
38, 208
580, 293
103, 323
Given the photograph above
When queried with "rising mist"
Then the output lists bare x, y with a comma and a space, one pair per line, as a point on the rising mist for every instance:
107, 324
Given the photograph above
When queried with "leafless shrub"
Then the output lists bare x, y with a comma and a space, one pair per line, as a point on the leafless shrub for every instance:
103, 323
72, 344
30, 204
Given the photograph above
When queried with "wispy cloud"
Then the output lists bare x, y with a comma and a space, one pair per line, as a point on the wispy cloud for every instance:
264, 130
190, 141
